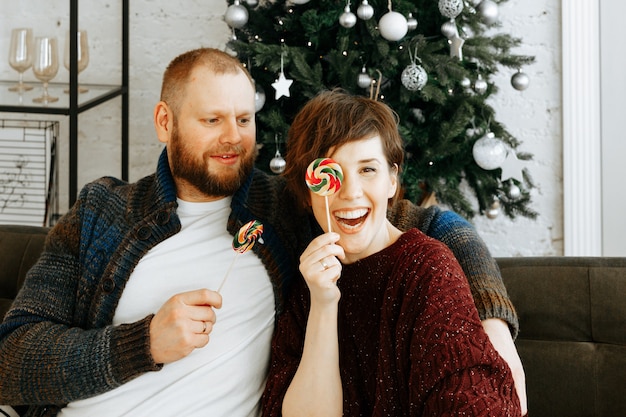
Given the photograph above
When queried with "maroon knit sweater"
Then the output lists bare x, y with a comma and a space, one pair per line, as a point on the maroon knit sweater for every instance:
410, 340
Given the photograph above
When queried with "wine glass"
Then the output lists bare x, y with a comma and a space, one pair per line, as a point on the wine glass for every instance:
21, 55
82, 53
46, 65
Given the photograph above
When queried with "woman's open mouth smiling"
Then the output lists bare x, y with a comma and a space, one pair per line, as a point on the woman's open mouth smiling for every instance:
351, 220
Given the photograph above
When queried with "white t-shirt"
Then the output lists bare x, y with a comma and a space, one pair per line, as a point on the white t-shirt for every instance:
226, 377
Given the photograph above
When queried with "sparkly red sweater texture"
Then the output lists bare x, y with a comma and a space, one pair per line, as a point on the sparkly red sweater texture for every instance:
410, 340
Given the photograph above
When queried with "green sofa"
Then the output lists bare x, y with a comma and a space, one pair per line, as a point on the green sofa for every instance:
572, 313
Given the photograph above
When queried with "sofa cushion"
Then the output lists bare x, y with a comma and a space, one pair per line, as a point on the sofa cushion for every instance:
572, 338
20, 247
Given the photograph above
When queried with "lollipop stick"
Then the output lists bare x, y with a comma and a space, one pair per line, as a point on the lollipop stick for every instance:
219, 289
327, 214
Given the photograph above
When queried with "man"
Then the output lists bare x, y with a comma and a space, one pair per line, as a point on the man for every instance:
120, 315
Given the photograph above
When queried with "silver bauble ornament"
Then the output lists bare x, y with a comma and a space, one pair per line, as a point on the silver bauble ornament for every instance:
489, 152
299, 1
414, 77
494, 210
466, 82
364, 80
347, 18
259, 98
411, 22
450, 8
236, 15
278, 163
365, 11
448, 29
514, 192
393, 26
488, 11
480, 85
252, 3
520, 81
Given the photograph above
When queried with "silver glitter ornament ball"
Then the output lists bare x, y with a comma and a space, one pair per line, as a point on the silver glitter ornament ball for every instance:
278, 163
450, 8
520, 81
414, 77
236, 15
365, 11
488, 11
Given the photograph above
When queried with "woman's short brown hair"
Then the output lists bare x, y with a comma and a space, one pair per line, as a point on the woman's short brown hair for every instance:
331, 119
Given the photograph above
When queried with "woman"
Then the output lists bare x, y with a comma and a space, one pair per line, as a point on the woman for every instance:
387, 325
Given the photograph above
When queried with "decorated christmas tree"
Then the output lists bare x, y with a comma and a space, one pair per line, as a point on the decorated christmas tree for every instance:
432, 61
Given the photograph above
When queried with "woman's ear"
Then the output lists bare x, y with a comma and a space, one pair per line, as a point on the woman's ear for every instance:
163, 121
393, 178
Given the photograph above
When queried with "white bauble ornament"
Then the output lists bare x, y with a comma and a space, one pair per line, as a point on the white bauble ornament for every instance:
278, 163
450, 8
365, 11
364, 80
347, 18
488, 11
411, 22
300, 1
520, 81
393, 26
252, 3
489, 152
259, 98
414, 77
466, 82
236, 15
480, 85
494, 210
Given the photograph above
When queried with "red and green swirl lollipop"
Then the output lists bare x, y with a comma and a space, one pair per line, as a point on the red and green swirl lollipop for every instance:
249, 233
243, 241
324, 177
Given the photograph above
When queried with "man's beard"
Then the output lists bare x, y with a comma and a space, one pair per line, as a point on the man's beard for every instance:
186, 166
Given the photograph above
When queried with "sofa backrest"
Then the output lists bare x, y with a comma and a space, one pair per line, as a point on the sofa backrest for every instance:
572, 338
20, 247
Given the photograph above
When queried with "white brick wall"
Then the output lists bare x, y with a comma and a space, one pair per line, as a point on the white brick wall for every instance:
161, 29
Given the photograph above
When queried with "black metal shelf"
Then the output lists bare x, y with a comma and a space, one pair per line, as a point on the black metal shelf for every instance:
72, 104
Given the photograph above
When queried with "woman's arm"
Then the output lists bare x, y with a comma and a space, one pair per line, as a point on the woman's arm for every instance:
316, 387
495, 309
482, 272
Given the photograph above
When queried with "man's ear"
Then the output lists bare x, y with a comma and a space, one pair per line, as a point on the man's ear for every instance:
163, 121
